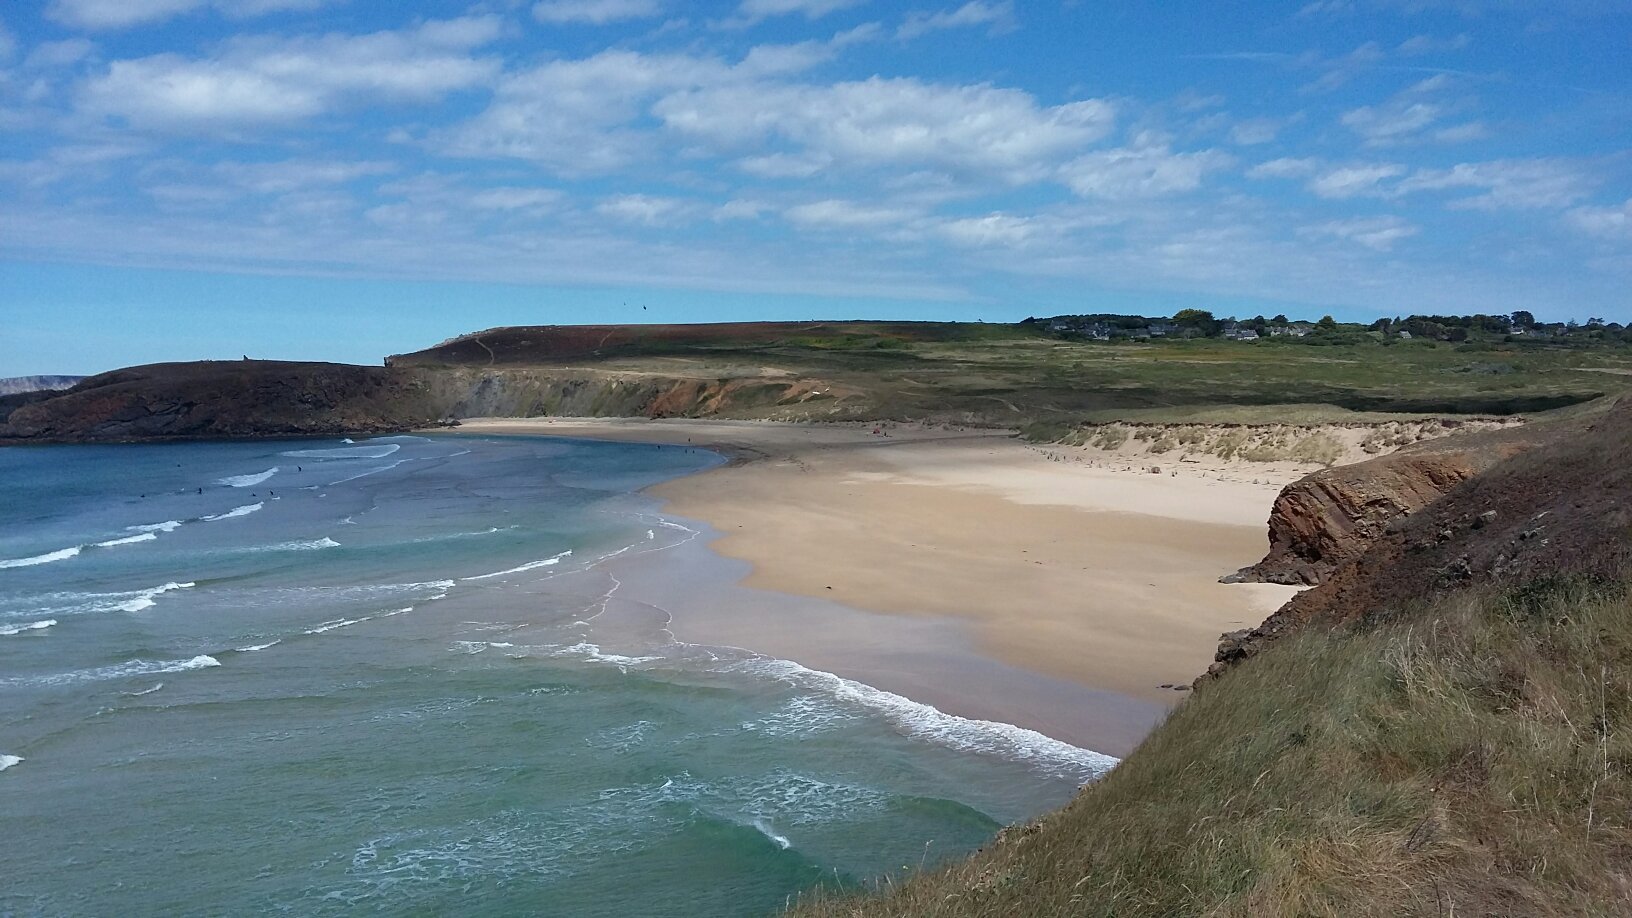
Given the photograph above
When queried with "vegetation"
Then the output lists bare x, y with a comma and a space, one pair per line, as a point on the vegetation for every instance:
1015, 375
1470, 758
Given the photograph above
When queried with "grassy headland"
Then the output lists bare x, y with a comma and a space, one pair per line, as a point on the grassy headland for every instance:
1470, 758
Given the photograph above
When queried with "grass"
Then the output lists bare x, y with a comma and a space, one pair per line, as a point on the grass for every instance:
1472, 758
994, 375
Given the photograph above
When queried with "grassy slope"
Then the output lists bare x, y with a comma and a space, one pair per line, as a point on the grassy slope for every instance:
1470, 759
1012, 375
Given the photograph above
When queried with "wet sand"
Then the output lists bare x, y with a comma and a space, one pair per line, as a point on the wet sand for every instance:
960, 568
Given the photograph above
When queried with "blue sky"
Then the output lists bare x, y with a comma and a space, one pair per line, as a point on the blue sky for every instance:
339, 179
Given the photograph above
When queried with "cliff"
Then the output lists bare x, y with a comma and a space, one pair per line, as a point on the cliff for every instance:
1552, 499
1332, 516
225, 399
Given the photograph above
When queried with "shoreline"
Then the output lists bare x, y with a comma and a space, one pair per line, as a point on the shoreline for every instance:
960, 568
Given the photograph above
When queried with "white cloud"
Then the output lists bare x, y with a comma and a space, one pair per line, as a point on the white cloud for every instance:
52, 54
1507, 184
755, 10
115, 14
1002, 132
1143, 170
1375, 233
575, 117
1285, 167
646, 210
1612, 222
1000, 16
293, 174
838, 214
266, 81
1390, 123
1254, 131
1354, 181
995, 229
1462, 133
594, 12
1428, 44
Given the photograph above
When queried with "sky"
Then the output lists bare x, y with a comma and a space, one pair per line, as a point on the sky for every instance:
341, 179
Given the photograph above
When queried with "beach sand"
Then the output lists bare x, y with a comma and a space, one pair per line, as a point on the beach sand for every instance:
962, 568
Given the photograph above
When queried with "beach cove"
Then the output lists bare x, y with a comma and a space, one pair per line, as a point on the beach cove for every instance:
961, 568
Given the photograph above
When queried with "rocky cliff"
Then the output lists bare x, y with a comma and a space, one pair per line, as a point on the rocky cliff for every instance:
1551, 499
226, 399
1320, 522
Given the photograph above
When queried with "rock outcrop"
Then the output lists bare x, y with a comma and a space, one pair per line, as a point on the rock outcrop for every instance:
1551, 500
1328, 518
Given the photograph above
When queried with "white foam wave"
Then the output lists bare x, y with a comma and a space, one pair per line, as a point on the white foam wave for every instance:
348, 452
62, 554
166, 526
383, 468
119, 671
936, 726
583, 650
336, 623
9, 630
252, 648
298, 545
529, 566
235, 512
765, 830
244, 481
6, 761
144, 599
145, 691
128, 540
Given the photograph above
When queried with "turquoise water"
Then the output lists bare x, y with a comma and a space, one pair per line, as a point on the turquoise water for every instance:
304, 677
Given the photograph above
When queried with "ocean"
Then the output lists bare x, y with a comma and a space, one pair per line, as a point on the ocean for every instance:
306, 676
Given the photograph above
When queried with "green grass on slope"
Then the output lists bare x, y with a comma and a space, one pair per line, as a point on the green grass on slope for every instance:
1472, 759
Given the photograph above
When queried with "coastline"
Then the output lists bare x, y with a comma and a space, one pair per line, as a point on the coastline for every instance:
961, 568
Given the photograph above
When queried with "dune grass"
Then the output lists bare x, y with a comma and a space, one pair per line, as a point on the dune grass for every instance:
1471, 758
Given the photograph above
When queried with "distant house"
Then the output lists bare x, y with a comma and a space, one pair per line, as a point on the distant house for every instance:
1406, 335
1241, 334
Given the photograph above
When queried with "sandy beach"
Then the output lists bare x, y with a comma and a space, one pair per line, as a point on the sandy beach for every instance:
923, 552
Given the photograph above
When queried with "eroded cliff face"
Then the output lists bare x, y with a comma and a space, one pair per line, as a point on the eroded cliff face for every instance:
517, 392
1325, 519
1545, 500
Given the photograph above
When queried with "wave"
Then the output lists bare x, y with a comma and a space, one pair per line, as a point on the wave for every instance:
345, 452
929, 723
118, 671
256, 647
6, 761
297, 545
529, 566
128, 540
62, 554
235, 512
144, 599
383, 468
166, 526
9, 630
145, 691
336, 623
765, 830
244, 481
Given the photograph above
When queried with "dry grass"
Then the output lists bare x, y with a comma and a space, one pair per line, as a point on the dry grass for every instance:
1470, 759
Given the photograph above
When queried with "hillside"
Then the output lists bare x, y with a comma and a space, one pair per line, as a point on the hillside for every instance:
224, 399
975, 374
1440, 727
